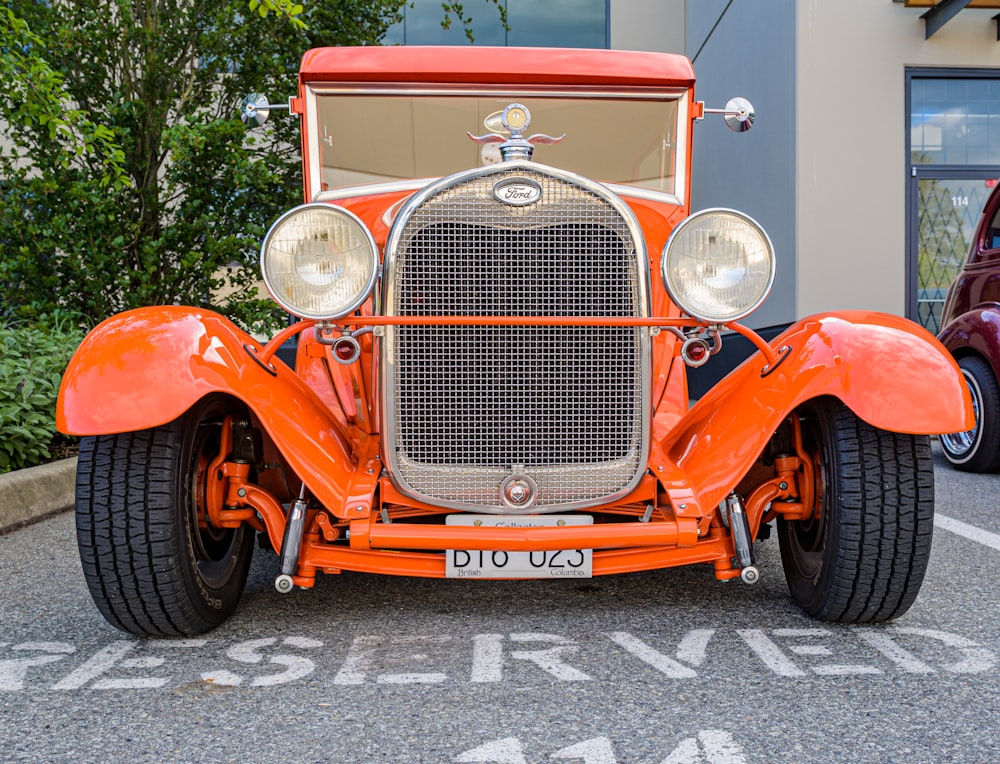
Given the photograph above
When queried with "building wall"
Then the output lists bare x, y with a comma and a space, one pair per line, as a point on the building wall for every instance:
850, 162
747, 48
824, 170
656, 25
753, 172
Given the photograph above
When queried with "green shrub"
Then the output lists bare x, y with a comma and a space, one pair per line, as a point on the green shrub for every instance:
161, 85
32, 360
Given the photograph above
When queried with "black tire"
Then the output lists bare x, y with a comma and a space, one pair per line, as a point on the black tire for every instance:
151, 569
862, 558
978, 449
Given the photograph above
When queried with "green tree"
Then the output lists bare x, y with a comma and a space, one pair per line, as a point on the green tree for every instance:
292, 10
34, 94
155, 86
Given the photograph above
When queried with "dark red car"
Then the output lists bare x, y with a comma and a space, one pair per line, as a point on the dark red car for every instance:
971, 321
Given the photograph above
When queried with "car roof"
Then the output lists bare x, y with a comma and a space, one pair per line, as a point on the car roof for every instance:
495, 65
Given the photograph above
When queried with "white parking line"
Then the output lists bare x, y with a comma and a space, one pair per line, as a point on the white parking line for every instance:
969, 531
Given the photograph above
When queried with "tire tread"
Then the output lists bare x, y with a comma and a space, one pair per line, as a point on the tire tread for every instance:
126, 524
879, 545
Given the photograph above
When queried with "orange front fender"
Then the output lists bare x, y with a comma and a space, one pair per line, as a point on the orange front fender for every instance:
890, 372
146, 367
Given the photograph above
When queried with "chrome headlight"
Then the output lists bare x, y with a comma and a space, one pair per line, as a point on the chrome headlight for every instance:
718, 265
319, 261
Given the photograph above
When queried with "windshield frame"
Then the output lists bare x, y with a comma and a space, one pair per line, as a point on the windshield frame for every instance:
311, 129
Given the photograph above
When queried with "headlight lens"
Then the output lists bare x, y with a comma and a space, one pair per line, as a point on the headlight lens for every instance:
718, 265
319, 261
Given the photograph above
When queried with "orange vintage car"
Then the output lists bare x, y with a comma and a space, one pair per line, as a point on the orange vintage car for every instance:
493, 332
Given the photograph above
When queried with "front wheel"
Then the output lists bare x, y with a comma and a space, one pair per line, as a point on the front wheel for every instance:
154, 564
978, 449
862, 556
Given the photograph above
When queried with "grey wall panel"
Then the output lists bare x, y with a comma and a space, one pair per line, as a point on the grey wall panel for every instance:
648, 25
747, 48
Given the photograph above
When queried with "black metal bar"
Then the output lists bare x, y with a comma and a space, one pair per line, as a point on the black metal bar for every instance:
941, 14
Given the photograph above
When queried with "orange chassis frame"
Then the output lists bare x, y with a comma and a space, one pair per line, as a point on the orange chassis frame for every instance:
680, 529
147, 367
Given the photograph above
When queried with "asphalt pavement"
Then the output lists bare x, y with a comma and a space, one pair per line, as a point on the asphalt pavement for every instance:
664, 667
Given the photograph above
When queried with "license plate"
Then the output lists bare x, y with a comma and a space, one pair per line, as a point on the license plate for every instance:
560, 563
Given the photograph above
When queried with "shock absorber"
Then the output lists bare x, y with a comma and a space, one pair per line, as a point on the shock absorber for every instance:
739, 526
291, 543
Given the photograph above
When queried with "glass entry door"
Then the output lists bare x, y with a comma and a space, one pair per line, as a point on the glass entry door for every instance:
947, 213
953, 146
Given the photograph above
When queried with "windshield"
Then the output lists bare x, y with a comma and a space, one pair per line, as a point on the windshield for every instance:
368, 138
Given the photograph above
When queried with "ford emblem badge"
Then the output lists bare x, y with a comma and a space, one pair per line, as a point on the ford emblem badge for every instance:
518, 192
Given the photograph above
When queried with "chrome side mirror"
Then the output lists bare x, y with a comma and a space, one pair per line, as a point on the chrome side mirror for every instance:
739, 114
256, 109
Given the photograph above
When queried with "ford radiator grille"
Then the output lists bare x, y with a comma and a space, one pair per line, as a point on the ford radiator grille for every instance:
468, 407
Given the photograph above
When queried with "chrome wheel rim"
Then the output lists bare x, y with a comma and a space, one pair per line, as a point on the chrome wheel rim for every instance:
959, 446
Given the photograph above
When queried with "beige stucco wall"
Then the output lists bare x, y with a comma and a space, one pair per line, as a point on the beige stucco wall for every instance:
851, 170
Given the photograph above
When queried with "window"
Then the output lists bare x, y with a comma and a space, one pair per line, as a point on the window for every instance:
553, 23
955, 121
367, 138
991, 236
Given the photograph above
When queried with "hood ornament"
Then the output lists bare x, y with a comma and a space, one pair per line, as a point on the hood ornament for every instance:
515, 119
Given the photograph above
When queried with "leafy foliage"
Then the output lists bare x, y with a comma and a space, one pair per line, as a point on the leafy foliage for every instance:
32, 360
183, 223
126, 176
128, 179
34, 94
288, 8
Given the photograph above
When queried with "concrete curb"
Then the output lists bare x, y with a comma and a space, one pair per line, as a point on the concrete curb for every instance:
35, 493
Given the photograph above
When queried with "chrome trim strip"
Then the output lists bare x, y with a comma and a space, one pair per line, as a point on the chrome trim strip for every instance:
367, 189
311, 149
681, 175
511, 90
643, 192
393, 186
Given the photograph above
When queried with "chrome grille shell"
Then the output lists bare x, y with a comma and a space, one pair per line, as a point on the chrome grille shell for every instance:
466, 407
